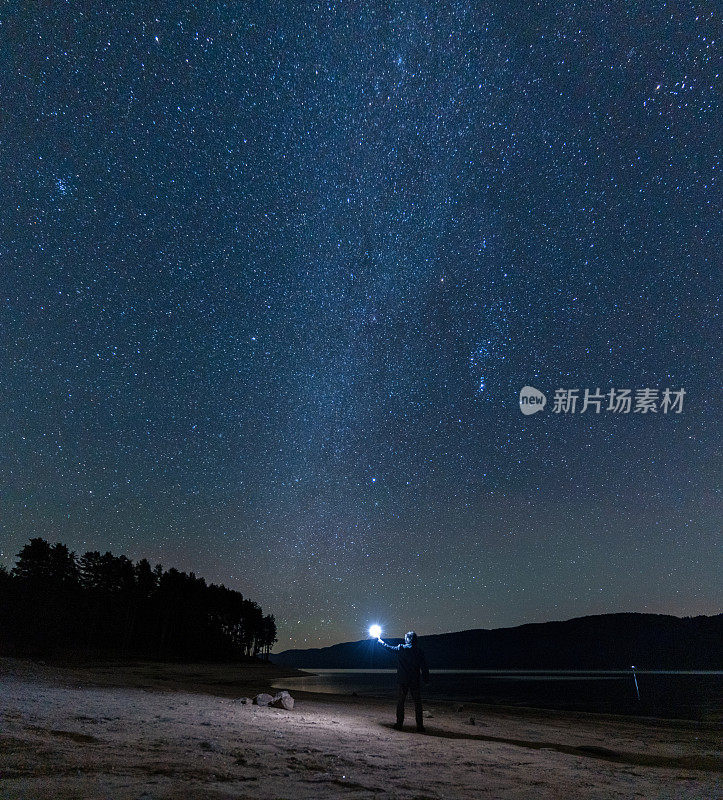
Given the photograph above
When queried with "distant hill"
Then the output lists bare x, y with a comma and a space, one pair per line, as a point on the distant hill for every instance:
605, 641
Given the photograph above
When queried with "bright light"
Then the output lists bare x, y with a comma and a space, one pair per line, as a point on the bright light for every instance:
375, 631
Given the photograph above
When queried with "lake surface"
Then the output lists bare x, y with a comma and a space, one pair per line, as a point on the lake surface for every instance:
695, 695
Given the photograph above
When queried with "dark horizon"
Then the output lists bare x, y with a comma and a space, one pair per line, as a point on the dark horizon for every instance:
275, 280
400, 638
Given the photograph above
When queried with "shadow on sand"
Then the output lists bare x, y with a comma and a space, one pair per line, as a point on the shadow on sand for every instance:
701, 762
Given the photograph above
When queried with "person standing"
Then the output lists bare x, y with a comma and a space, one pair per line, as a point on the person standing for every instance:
411, 665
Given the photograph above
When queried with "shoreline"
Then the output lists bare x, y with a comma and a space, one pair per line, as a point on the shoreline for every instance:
169, 731
545, 698
519, 710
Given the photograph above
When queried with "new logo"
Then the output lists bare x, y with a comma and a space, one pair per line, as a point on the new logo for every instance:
531, 400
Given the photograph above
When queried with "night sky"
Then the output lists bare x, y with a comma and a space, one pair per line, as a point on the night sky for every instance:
274, 275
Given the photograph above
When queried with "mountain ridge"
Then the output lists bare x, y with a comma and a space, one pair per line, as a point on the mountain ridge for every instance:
597, 641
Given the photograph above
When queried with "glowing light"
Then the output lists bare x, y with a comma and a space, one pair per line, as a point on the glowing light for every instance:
375, 631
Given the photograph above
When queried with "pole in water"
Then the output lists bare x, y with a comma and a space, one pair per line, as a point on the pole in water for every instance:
635, 679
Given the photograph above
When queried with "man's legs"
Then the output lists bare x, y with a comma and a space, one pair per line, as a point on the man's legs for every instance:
417, 697
401, 697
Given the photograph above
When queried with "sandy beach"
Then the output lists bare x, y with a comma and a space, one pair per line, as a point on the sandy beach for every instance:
148, 731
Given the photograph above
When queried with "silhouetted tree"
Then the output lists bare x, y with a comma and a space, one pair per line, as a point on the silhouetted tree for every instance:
64, 572
106, 603
5, 579
33, 566
46, 596
146, 580
268, 634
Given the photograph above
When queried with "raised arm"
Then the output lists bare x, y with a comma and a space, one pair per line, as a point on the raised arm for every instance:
388, 646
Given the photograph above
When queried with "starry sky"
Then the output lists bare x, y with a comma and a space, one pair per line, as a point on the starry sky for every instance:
275, 273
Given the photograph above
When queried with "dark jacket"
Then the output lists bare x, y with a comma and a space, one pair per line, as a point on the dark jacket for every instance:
410, 662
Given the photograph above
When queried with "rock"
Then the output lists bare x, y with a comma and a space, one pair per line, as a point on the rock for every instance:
283, 700
263, 699
471, 721
427, 714
209, 747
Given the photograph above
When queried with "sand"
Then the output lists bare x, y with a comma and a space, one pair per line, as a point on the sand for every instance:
151, 731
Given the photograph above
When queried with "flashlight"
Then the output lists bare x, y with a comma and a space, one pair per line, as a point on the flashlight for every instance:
375, 631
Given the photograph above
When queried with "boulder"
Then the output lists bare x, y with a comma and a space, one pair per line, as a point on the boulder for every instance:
263, 699
283, 700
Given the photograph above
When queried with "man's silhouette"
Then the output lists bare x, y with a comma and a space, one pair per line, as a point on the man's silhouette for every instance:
410, 663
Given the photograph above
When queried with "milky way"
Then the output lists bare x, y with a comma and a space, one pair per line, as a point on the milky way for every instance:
275, 274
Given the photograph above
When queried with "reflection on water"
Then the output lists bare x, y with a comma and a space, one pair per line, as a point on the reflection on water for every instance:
678, 694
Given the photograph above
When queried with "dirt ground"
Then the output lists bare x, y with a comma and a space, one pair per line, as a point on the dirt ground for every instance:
142, 731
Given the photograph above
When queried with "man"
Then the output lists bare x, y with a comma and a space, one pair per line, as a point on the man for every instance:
410, 663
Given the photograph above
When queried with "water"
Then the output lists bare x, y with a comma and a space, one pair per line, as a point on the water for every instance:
694, 695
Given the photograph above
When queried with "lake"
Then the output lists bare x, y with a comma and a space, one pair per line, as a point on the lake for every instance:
694, 695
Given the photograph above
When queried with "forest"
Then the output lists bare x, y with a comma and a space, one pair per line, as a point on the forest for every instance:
55, 604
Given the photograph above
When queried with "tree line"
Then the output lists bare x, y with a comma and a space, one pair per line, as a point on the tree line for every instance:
53, 602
